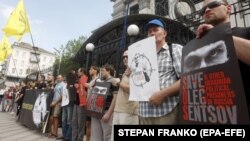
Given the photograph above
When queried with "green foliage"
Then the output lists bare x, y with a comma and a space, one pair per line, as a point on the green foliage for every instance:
68, 52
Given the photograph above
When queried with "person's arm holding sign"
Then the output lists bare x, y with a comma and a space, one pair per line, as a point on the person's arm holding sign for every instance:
158, 97
110, 111
242, 46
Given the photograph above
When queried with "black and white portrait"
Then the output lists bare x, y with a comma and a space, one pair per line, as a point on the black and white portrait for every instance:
99, 90
206, 56
40, 109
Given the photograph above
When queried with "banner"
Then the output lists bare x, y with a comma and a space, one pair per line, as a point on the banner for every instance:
211, 84
35, 109
96, 101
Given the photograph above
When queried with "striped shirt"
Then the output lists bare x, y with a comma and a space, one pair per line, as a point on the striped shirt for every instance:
167, 76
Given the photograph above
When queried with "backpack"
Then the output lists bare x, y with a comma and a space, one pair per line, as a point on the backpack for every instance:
171, 55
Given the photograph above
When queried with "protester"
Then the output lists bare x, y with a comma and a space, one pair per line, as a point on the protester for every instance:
2, 93
125, 112
93, 72
162, 105
216, 12
79, 112
20, 97
56, 107
101, 128
67, 110
41, 84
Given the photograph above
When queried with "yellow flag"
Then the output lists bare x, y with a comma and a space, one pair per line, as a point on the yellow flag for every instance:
5, 48
18, 23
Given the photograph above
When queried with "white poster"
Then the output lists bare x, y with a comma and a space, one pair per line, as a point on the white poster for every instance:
144, 78
65, 96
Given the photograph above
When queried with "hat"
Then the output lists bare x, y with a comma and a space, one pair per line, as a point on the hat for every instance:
155, 22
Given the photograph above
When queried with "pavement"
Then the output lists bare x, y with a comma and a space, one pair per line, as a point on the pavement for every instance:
11, 130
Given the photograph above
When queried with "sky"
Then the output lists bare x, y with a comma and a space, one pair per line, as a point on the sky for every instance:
54, 22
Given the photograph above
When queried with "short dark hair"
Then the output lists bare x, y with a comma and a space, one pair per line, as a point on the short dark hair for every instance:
42, 76
95, 68
109, 68
82, 69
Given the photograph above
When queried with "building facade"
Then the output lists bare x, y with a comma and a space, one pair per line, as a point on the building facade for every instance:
25, 60
186, 11
182, 18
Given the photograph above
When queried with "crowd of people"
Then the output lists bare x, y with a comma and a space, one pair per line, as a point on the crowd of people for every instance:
11, 98
162, 105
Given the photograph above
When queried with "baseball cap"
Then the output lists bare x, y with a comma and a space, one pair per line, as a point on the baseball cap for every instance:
155, 22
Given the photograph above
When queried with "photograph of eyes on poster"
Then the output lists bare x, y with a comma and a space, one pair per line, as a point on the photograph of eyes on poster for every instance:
206, 56
211, 86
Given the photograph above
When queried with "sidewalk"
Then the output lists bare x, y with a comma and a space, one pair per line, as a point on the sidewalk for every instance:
11, 130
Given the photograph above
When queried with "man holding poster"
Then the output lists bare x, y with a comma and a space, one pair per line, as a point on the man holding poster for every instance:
161, 106
216, 12
214, 94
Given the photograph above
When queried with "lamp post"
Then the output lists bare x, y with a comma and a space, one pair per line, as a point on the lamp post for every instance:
133, 31
89, 48
60, 52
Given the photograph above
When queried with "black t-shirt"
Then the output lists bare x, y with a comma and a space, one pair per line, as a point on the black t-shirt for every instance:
244, 32
77, 100
41, 85
112, 90
22, 92
71, 80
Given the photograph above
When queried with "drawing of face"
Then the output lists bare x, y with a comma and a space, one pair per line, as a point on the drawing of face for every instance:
206, 56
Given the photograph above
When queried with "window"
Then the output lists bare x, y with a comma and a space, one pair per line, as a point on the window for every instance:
161, 7
134, 9
34, 57
13, 70
17, 53
14, 61
24, 54
22, 63
20, 72
44, 59
28, 71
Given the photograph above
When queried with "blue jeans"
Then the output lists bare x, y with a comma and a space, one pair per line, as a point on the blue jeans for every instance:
78, 123
67, 113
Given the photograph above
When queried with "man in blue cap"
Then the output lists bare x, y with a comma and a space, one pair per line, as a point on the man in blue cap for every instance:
162, 105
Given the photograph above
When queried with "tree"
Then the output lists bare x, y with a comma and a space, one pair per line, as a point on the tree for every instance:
66, 53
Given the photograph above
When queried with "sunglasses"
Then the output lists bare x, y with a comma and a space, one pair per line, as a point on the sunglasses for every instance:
123, 57
211, 6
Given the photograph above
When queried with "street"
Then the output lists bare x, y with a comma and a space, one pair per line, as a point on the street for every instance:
11, 130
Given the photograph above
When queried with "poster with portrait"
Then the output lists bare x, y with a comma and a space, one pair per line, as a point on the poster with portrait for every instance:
142, 61
96, 100
35, 109
211, 85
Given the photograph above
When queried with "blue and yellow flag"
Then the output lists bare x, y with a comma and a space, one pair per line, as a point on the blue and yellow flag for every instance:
18, 23
5, 48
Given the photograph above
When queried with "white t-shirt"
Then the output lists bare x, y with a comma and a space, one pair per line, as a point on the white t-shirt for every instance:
2, 91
